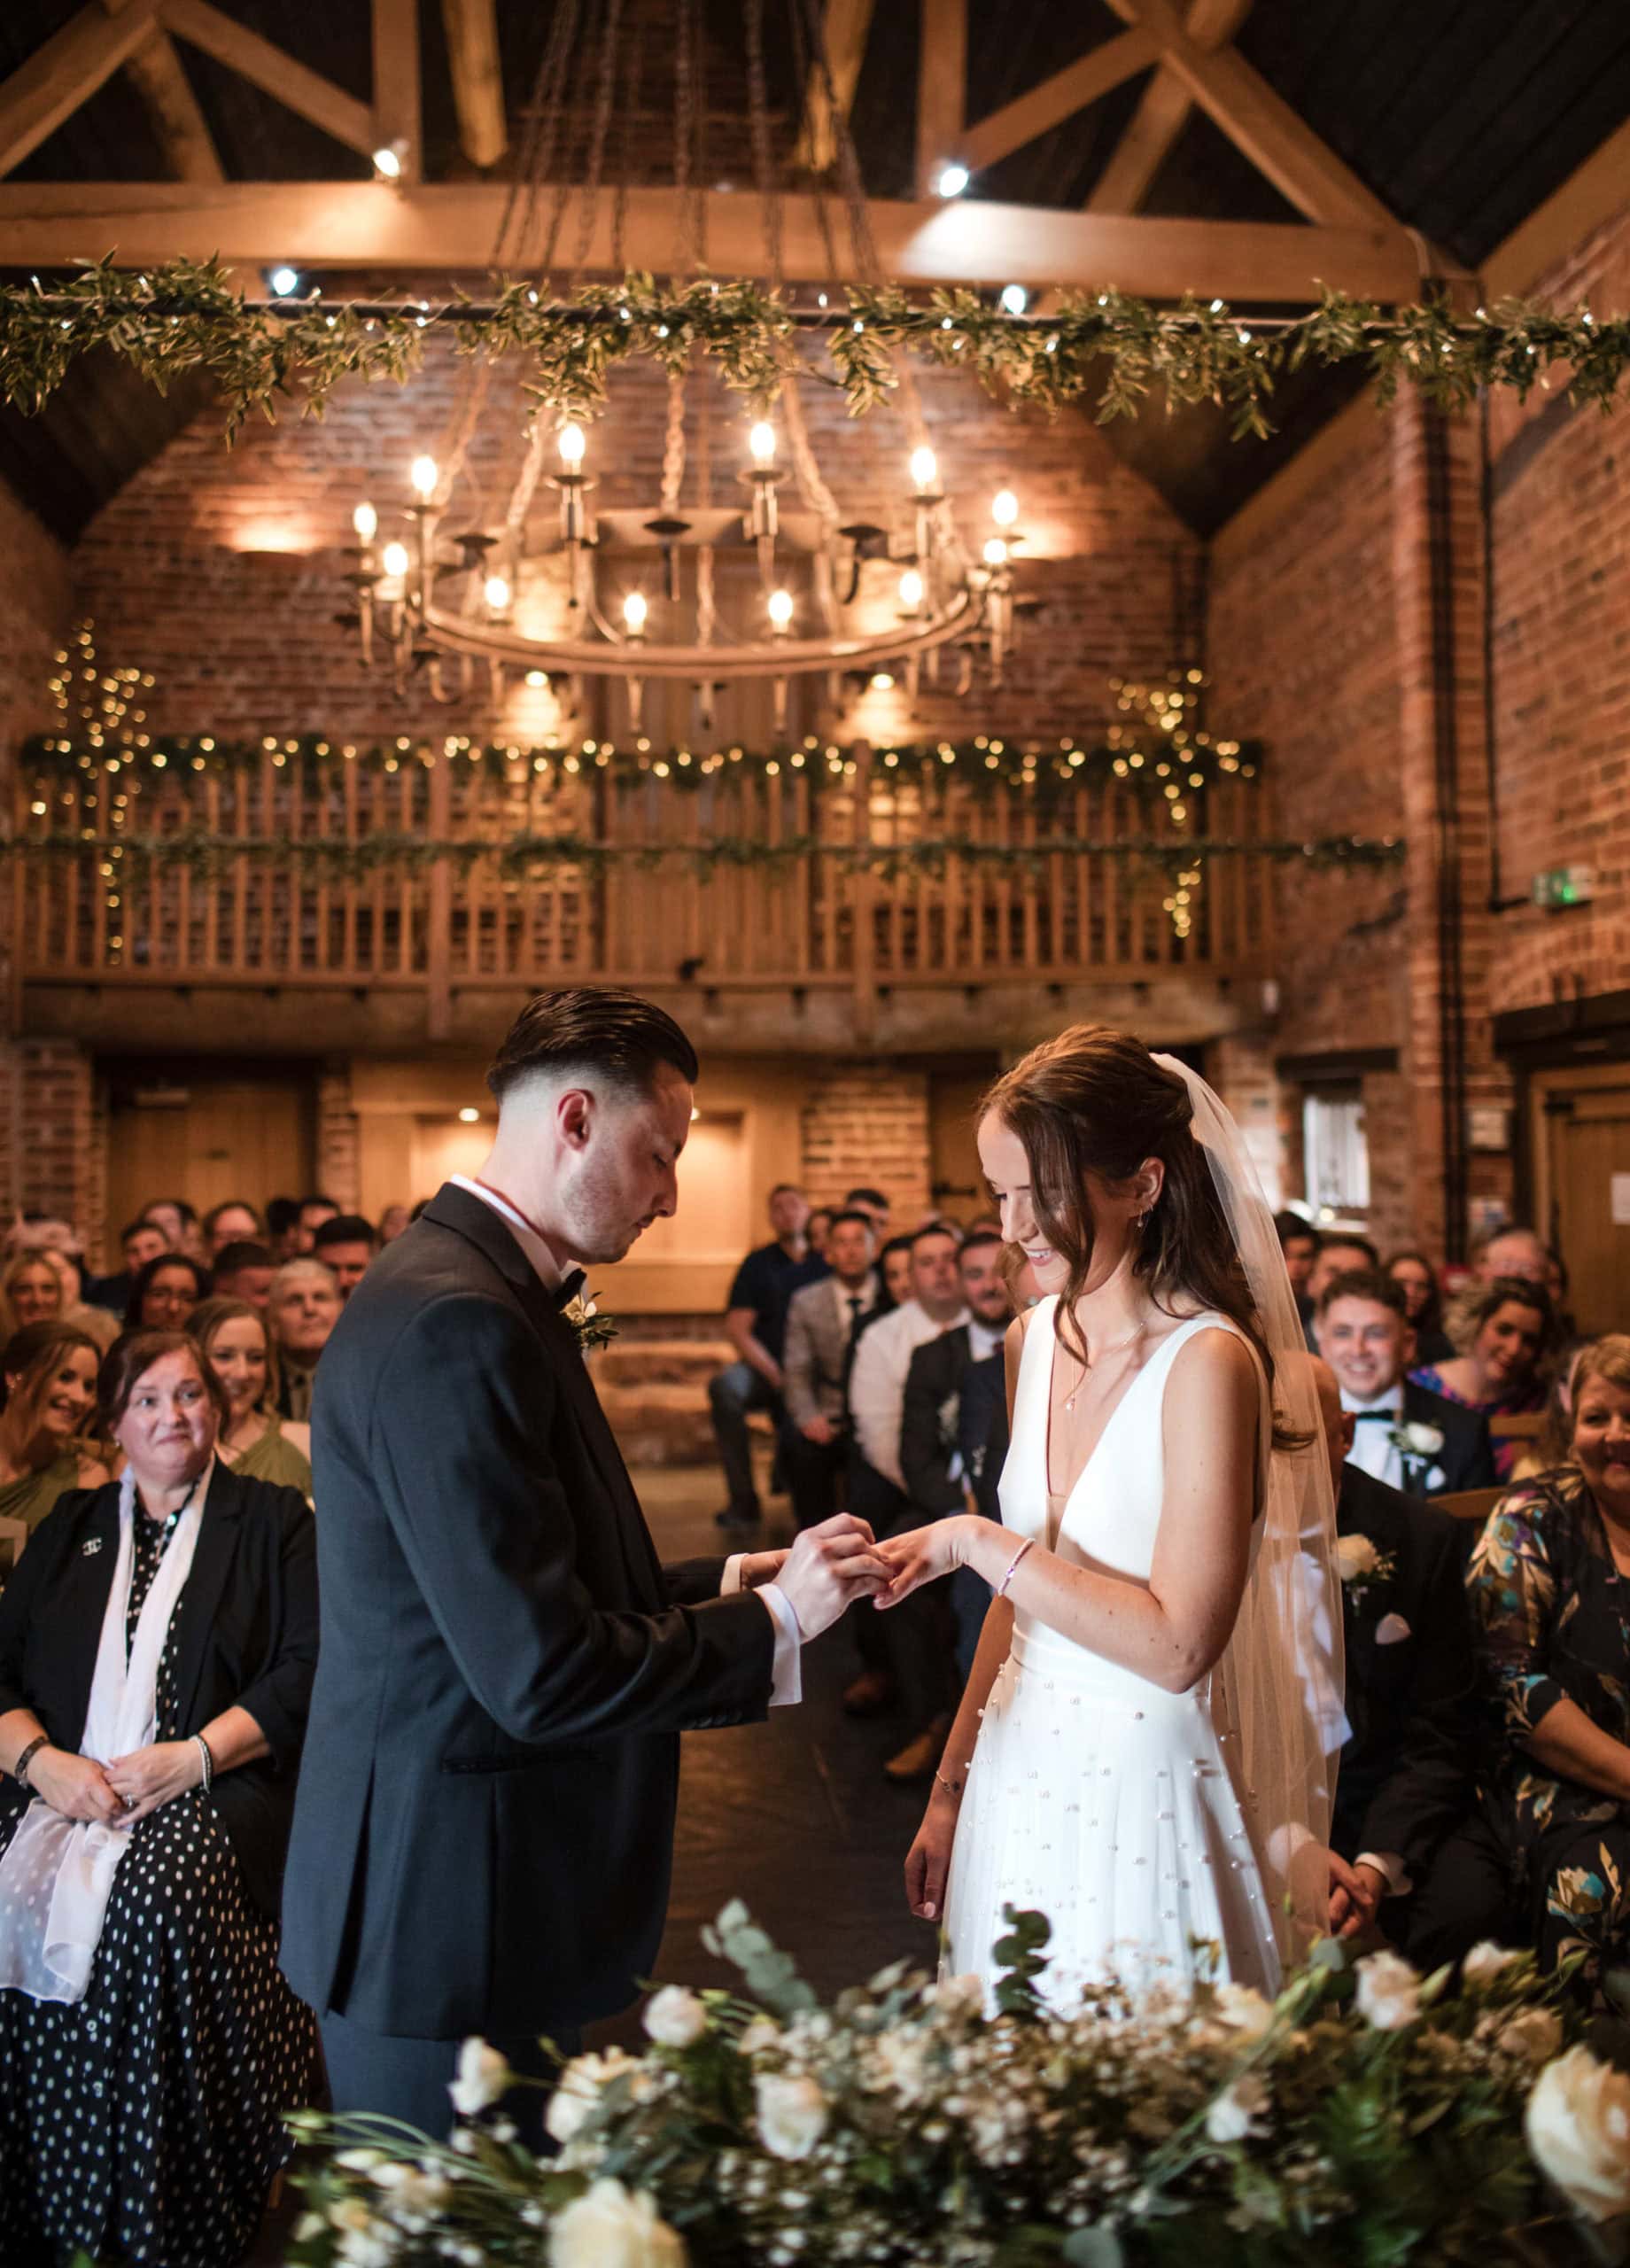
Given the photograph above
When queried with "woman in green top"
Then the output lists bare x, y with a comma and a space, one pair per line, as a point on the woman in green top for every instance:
49, 1375
232, 1337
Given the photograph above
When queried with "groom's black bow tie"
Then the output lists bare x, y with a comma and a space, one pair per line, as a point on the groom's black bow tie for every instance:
1377, 1417
568, 1288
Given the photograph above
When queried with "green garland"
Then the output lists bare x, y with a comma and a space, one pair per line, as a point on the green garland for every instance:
185, 317
1126, 758
204, 853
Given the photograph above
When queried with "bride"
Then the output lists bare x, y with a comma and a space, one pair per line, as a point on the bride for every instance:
1145, 1750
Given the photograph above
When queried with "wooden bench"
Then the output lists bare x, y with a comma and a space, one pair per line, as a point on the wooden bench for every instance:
1468, 1504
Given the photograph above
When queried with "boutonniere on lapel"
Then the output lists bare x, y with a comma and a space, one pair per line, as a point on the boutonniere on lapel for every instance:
1417, 1445
588, 1326
948, 1418
1363, 1569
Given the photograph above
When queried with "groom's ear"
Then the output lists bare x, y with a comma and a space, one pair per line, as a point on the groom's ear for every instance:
574, 1116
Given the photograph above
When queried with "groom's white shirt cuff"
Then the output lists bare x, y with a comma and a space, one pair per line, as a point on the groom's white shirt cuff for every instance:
787, 1678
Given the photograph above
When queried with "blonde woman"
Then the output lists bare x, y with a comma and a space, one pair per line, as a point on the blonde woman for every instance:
49, 1371
256, 1441
95, 1322
30, 1292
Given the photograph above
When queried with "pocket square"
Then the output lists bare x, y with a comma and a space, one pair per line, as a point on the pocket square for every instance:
1391, 1630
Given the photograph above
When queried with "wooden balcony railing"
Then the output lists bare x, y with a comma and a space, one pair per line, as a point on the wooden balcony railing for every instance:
293, 908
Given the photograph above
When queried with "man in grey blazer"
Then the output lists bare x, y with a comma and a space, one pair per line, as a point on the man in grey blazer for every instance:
823, 1320
483, 1827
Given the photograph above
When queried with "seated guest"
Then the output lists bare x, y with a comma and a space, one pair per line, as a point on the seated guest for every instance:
95, 1322
244, 1271
30, 1292
255, 1441
894, 1259
179, 1223
311, 1214
150, 2043
816, 1228
937, 1482
302, 1309
1405, 1781
166, 1292
1509, 1335
1423, 1305
1546, 1584
235, 1222
1553, 1444
141, 1242
49, 1375
348, 1245
874, 1203
754, 1319
1406, 1436
1513, 1251
1299, 1242
283, 1227
823, 1319
392, 1222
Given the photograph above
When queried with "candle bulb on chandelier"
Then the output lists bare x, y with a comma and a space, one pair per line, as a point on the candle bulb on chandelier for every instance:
996, 552
910, 591
924, 471
571, 445
1005, 508
497, 594
635, 608
761, 441
425, 476
781, 612
365, 520
393, 559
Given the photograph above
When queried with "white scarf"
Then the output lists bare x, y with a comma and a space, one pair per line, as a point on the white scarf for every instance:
57, 1874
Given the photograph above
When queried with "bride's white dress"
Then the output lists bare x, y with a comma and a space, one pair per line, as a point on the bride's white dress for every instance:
1095, 1798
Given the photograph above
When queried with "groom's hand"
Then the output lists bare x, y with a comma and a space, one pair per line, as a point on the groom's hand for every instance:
828, 1569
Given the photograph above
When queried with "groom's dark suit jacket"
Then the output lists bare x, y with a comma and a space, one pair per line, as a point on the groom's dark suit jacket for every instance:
1405, 1776
484, 1829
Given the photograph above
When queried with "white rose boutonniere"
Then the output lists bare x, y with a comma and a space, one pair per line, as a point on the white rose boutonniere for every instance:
1417, 1445
592, 1329
1362, 1567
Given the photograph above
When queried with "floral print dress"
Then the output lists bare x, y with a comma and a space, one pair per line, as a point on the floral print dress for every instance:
1552, 1614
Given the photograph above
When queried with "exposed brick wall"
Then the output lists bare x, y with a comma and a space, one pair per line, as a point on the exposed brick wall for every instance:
52, 1162
868, 1125
1241, 1068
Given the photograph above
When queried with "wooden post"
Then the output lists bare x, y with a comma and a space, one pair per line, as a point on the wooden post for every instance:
942, 89
438, 929
862, 899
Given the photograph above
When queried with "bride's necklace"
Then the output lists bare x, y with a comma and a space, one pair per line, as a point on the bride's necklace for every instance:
1088, 1368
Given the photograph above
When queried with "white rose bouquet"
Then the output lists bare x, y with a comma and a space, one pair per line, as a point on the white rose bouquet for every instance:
1369, 2114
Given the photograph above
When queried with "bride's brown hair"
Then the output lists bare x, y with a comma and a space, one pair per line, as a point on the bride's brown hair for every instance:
1094, 1100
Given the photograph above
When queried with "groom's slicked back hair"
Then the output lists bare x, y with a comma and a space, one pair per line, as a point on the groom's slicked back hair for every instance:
615, 1035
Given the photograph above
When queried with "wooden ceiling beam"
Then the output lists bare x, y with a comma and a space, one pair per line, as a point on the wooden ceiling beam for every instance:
58, 77
846, 29
396, 83
1044, 106
1261, 123
941, 87
452, 229
160, 78
304, 92
471, 27
1162, 112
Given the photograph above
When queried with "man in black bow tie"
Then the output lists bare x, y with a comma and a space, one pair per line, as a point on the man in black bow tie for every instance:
483, 1829
1405, 1436
1405, 1777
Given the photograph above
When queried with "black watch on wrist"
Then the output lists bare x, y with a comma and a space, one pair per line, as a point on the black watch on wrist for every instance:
19, 1770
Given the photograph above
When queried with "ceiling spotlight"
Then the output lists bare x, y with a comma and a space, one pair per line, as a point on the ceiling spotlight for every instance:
881, 682
388, 160
283, 282
469, 1117
537, 680
950, 181
1015, 298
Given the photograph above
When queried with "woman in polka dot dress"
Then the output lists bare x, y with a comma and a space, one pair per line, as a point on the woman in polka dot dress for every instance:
148, 2044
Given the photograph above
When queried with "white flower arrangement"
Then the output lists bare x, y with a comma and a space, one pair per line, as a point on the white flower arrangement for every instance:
1368, 2113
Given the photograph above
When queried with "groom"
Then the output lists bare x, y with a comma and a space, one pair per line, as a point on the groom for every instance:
483, 1829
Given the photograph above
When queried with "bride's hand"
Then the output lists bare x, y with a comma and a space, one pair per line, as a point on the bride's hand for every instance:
928, 1862
924, 1554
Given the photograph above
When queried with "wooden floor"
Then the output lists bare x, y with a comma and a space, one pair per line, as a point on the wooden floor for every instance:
793, 1816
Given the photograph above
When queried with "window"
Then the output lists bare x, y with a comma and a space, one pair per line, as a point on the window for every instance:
1335, 1156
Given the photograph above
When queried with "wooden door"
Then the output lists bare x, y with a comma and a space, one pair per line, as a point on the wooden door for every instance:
1583, 1154
955, 1091
207, 1135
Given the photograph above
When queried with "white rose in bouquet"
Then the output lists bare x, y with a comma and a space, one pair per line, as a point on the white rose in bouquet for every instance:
761, 2033
957, 1996
1578, 2126
1355, 1555
1243, 2009
610, 2227
578, 2090
1484, 1962
792, 2114
1237, 2109
1534, 2036
1389, 1991
483, 2076
675, 2017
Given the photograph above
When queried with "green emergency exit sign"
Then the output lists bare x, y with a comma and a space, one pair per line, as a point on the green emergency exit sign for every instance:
1558, 886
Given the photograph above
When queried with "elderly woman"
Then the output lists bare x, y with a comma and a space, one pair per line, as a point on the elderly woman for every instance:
1548, 1585
1510, 1336
302, 1308
30, 1292
49, 1375
257, 1442
157, 1648
164, 1293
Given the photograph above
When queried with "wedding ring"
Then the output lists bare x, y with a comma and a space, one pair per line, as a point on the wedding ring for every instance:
128, 1802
